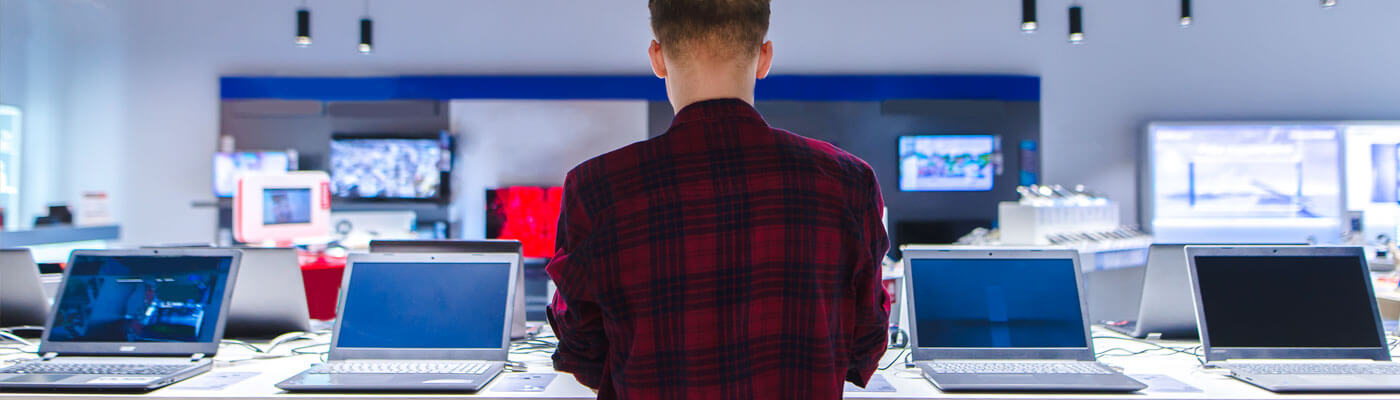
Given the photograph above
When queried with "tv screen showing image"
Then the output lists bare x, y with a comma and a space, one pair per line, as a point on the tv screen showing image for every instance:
947, 163
1246, 172
526, 213
286, 206
228, 166
390, 168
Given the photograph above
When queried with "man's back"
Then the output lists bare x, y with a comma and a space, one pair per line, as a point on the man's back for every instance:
723, 259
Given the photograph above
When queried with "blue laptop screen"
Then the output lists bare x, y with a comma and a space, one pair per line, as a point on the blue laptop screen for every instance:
997, 303
141, 299
425, 306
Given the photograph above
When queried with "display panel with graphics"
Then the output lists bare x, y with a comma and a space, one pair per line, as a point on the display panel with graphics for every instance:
141, 299
1279, 181
390, 168
286, 206
227, 167
947, 163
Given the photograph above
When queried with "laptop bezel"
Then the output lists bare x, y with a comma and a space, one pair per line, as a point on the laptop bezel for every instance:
922, 353
1215, 353
338, 353
22, 288
144, 348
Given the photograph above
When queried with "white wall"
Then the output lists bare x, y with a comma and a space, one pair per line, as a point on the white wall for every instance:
1245, 59
507, 143
61, 63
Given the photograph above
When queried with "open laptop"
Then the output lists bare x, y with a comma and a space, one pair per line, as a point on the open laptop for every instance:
269, 298
518, 319
1165, 307
1004, 320
418, 323
1292, 319
22, 299
132, 320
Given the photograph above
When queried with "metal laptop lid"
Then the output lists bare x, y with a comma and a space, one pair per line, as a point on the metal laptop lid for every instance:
1285, 303
142, 302
997, 304
426, 307
22, 299
1165, 304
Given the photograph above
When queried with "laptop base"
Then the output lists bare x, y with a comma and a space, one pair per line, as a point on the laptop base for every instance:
1067, 383
418, 383
98, 383
1323, 383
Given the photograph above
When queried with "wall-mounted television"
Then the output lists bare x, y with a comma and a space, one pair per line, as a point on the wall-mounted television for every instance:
227, 167
947, 163
529, 214
1244, 182
391, 167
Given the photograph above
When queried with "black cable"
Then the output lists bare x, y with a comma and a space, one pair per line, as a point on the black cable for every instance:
896, 360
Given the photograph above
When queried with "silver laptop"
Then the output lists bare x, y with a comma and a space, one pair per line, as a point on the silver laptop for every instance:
517, 328
132, 320
1165, 308
22, 299
1004, 320
418, 323
269, 298
1292, 319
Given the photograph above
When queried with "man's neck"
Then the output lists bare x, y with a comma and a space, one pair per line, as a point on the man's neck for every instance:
686, 90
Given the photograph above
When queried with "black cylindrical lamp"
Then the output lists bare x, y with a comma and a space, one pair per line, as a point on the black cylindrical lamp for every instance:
1028, 20
303, 27
1076, 24
366, 36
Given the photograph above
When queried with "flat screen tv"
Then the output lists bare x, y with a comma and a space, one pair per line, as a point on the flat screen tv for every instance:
391, 167
529, 214
227, 167
947, 163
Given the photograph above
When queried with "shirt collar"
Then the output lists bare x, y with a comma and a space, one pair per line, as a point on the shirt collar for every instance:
717, 109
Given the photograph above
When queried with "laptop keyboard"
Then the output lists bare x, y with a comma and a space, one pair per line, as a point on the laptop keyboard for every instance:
93, 369
1016, 368
471, 367
1317, 369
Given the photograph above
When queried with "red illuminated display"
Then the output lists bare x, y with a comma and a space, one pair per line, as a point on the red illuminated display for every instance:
525, 213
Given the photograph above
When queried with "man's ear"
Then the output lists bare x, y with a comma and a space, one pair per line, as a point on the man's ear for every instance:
765, 59
658, 60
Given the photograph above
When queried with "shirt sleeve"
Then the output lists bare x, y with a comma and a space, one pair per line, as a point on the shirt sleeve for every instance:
574, 313
871, 328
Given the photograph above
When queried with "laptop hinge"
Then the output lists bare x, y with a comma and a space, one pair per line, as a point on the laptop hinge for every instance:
196, 357
50, 356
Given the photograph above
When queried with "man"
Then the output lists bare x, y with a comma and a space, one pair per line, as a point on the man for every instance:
723, 259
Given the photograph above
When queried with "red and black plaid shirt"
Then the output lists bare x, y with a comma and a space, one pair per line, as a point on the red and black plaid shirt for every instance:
722, 260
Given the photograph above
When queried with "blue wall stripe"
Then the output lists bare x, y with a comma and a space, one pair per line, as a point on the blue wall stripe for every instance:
790, 87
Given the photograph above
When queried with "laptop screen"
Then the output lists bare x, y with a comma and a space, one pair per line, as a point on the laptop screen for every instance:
141, 299
997, 303
429, 305
1287, 301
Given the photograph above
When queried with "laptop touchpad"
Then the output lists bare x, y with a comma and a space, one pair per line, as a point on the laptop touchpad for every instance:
42, 378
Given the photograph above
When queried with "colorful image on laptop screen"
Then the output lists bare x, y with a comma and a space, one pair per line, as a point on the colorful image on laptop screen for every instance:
141, 299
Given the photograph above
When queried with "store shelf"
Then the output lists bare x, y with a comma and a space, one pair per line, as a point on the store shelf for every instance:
60, 234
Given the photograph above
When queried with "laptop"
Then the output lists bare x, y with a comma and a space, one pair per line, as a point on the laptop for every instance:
518, 328
1004, 321
1292, 319
269, 298
22, 299
1165, 308
418, 323
131, 320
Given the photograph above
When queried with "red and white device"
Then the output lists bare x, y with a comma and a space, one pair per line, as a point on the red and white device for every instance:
285, 208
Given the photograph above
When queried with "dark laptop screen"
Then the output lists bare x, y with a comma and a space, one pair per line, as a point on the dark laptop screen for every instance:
141, 299
1287, 301
425, 306
997, 303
